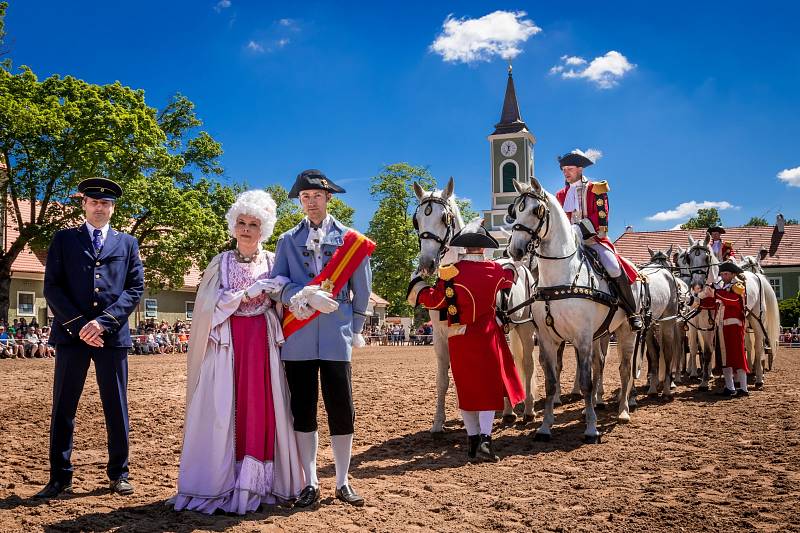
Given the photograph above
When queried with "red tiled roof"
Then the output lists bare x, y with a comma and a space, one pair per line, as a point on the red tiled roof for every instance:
784, 248
32, 262
375, 299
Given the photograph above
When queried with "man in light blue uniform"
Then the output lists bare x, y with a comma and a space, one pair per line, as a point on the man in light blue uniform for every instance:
320, 351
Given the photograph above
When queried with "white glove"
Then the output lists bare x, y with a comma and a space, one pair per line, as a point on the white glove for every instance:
358, 341
322, 302
269, 286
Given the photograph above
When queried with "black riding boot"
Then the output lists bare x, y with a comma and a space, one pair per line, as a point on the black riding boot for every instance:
485, 451
474, 442
627, 302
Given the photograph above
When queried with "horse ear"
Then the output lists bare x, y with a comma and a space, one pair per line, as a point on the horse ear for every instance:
707, 239
669, 251
536, 185
448, 189
762, 254
650, 252
520, 187
419, 191
681, 251
692, 242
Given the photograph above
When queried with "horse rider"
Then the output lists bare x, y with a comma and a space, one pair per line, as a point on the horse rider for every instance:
731, 297
723, 250
586, 205
481, 361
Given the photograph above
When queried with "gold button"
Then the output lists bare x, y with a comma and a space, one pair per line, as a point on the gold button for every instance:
97, 289
97, 276
97, 264
94, 304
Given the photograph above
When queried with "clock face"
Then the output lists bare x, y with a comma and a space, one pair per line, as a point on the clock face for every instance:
508, 148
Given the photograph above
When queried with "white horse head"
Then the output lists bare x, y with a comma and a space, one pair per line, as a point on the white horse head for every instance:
436, 220
701, 263
660, 258
752, 264
532, 215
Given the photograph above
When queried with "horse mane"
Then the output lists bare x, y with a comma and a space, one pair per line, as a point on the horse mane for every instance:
451, 256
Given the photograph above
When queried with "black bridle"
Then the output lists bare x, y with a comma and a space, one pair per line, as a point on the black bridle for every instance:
542, 212
447, 219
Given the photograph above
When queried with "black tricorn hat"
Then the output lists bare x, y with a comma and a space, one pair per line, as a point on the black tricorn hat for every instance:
574, 159
100, 189
478, 238
312, 179
730, 266
720, 229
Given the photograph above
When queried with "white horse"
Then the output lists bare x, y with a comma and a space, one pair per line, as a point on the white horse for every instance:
436, 220
761, 304
752, 264
569, 306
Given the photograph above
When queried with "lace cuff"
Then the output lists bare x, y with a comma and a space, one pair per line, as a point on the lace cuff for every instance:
298, 304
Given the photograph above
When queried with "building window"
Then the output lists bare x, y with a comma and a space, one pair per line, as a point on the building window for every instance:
150, 308
510, 172
777, 286
26, 303
189, 310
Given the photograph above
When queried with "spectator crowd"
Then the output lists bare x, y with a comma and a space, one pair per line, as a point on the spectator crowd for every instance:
24, 340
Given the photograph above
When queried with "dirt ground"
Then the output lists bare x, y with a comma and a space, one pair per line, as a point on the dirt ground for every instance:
697, 464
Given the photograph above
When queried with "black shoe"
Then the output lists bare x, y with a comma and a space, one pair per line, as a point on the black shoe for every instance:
636, 322
53, 489
309, 497
742, 392
121, 486
348, 495
485, 451
728, 393
474, 442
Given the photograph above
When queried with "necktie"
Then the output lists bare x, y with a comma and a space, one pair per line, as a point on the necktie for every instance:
96, 242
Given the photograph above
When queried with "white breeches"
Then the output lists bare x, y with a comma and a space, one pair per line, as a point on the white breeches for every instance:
607, 257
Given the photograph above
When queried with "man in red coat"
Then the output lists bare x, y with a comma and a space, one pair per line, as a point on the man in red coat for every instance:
586, 206
481, 361
731, 298
722, 249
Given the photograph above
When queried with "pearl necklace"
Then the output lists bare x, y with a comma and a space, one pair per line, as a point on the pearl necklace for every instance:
241, 258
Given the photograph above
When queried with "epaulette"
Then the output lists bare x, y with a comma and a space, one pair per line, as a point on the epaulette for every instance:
727, 243
600, 187
447, 272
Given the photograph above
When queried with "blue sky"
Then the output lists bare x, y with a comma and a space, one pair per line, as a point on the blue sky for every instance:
703, 107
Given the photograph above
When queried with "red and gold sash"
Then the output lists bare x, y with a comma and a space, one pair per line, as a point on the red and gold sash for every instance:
355, 247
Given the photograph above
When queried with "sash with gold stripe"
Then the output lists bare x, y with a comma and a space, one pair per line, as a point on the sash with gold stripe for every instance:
355, 247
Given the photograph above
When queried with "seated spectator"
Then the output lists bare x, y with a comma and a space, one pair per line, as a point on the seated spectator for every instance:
33, 345
183, 341
8, 346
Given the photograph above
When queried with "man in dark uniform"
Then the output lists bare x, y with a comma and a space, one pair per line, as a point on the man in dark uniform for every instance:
93, 281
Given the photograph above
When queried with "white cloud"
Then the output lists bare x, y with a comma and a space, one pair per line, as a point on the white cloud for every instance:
604, 71
496, 34
255, 47
286, 22
282, 42
689, 209
791, 176
222, 4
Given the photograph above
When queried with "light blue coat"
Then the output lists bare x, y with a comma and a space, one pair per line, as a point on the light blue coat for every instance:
328, 336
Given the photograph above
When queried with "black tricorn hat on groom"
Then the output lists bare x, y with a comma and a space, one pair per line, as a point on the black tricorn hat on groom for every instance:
474, 235
313, 179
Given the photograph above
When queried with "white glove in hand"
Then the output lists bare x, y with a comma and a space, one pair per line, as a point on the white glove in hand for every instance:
358, 341
322, 302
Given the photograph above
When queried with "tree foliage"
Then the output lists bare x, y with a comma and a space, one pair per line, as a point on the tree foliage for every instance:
706, 218
792, 222
790, 311
290, 214
391, 228
465, 206
757, 221
58, 131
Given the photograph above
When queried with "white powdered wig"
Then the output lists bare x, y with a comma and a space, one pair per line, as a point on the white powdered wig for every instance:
592, 154
256, 203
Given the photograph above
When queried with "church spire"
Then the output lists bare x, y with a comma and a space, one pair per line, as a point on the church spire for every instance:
510, 121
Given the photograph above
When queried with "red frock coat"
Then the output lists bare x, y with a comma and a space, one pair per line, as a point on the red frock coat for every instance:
597, 210
482, 364
733, 331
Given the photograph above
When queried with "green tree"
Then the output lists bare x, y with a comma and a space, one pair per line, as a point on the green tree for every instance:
792, 222
56, 132
290, 214
465, 206
706, 218
757, 221
392, 229
4, 63
790, 311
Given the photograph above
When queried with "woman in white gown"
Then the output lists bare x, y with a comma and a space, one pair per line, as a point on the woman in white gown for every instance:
239, 449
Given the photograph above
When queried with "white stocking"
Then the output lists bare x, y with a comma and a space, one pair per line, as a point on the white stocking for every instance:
486, 420
342, 450
307, 446
742, 375
471, 422
727, 373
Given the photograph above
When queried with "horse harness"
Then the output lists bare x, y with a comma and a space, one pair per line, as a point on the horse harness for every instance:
448, 220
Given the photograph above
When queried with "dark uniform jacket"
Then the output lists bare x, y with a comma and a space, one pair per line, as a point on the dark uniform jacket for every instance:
81, 286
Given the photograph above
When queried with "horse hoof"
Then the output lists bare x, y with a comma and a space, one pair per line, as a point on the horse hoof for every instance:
623, 418
509, 419
527, 419
703, 388
600, 407
541, 437
591, 439
668, 398
759, 386
437, 435
652, 395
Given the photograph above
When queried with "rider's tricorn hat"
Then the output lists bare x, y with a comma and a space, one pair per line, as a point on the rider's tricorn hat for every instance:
730, 266
474, 238
576, 158
100, 189
312, 179
720, 229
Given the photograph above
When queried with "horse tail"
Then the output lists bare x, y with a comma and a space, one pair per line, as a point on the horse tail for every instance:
772, 315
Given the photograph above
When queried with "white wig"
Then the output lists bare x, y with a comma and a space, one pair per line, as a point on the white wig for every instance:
256, 203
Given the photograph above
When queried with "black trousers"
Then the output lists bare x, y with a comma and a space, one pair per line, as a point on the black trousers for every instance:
304, 378
111, 368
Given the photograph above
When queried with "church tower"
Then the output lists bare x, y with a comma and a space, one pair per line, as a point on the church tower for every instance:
511, 157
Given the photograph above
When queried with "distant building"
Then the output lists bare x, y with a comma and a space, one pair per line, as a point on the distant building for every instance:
782, 243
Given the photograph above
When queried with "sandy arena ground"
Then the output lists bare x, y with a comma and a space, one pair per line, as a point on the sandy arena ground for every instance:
696, 464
